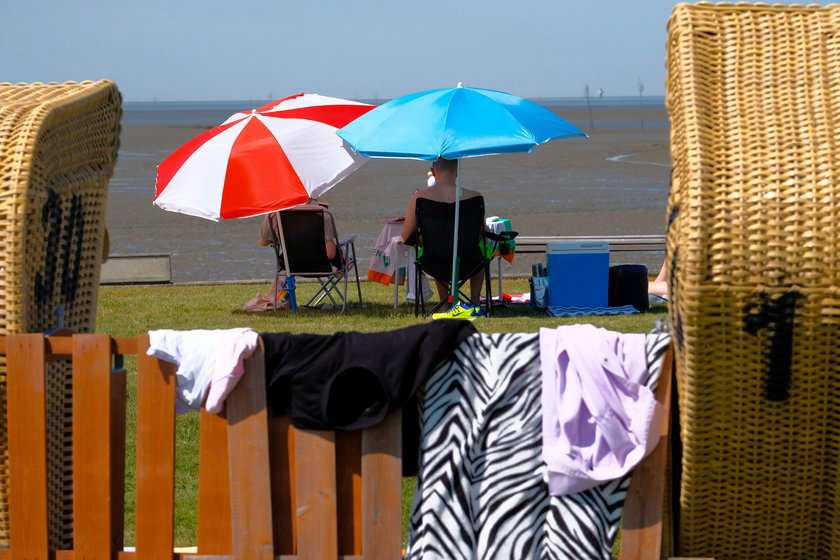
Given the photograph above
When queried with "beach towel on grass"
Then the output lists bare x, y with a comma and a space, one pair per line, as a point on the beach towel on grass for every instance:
575, 311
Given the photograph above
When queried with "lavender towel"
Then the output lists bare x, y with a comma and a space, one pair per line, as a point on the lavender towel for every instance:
599, 420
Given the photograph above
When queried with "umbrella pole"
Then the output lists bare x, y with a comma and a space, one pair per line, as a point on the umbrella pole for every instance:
456, 260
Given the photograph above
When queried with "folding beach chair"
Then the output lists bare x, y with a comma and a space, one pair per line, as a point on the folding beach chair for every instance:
753, 262
434, 241
301, 252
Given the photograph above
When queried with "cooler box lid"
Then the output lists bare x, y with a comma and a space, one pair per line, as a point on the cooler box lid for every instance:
576, 247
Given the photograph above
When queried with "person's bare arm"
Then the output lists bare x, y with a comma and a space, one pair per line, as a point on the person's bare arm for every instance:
331, 249
410, 224
265, 231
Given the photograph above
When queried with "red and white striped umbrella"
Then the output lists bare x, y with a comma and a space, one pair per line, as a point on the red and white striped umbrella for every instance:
259, 161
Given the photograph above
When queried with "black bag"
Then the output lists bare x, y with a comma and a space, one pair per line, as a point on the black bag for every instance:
628, 285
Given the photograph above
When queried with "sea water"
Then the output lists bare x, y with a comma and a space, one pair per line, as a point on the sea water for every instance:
204, 112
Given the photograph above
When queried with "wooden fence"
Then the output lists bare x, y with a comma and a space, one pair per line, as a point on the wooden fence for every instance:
266, 490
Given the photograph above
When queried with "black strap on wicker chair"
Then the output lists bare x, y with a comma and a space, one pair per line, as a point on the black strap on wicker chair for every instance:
301, 252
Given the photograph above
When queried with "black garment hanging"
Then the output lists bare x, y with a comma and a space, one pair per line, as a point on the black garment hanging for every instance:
353, 380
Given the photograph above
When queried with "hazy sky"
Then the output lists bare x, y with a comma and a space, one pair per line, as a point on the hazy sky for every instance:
255, 49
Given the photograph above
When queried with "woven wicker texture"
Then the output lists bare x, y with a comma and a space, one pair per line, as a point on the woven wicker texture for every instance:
58, 148
753, 93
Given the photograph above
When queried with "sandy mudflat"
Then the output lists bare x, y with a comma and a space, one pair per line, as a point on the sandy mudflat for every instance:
614, 182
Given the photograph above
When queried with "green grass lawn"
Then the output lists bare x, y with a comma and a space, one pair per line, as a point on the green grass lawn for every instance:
133, 310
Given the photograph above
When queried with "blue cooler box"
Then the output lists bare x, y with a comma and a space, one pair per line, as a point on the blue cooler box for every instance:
579, 273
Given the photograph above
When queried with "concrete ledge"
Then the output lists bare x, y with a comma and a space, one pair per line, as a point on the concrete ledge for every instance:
622, 243
136, 269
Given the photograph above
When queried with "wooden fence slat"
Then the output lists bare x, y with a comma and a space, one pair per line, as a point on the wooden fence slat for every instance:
118, 408
382, 489
248, 460
27, 446
317, 537
281, 445
641, 533
214, 530
155, 517
92, 450
348, 480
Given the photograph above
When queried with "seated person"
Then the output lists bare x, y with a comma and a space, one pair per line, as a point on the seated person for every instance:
269, 223
269, 231
444, 172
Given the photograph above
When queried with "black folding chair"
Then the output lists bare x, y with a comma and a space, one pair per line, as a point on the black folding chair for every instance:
300, 250
434, 242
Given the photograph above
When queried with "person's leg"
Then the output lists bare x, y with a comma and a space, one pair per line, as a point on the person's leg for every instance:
662, 272
476, 283
660, 285
442, 291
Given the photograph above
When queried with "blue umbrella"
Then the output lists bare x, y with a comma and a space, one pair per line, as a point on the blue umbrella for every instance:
454, 123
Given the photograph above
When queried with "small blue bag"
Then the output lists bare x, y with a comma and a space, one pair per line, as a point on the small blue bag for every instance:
539, 292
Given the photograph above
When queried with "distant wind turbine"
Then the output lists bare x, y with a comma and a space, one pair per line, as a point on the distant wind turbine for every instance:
641, 90
589, 105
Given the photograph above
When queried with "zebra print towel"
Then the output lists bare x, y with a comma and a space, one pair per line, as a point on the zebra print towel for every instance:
481, 485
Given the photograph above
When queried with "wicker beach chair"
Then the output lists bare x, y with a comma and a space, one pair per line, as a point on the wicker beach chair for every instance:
58, 147
754, 265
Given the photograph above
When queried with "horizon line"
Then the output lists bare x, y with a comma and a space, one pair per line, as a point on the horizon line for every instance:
385, 99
